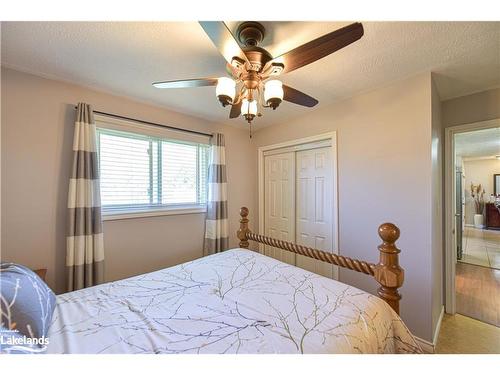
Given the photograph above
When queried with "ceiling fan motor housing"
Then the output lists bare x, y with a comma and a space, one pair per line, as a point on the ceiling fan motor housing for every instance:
251, 80
250, 33
257, 56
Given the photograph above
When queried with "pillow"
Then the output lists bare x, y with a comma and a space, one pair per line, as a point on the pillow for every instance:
12, 342
27, 303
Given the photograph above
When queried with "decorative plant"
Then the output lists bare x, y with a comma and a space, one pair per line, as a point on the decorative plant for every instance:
477, 193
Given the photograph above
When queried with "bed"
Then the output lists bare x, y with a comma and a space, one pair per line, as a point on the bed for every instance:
237, 301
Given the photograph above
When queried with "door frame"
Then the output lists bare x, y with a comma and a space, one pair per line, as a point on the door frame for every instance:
332, 137
450, 199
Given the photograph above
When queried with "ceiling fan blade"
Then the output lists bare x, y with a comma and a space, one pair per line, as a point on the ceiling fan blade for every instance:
186, 83
298, 97
225, 42
319, 48
235, 110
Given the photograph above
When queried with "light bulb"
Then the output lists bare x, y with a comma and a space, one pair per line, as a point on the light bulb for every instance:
225, 90
273, 93
249, 109
244, 106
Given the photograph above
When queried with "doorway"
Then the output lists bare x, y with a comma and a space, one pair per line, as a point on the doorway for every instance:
472, 162
298, 199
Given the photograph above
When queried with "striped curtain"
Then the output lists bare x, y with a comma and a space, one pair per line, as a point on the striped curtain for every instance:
216, 224
84, 242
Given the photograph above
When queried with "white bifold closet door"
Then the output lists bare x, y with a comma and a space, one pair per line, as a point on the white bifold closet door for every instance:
279, 207
298, 204
314, 206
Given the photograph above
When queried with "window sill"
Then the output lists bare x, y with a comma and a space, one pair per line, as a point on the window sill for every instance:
109, 216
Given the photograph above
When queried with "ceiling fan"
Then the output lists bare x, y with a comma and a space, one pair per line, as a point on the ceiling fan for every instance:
253, 70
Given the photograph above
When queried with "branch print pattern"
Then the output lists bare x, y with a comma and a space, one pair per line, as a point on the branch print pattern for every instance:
237, 301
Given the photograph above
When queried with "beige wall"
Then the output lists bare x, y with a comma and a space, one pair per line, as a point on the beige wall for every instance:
478, 172
384, 174
37, 129
467, 109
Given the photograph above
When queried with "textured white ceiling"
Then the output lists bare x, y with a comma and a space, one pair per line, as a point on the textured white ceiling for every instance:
478, 143
126, 57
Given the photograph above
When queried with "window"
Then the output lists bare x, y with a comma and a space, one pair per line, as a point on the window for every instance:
145, 173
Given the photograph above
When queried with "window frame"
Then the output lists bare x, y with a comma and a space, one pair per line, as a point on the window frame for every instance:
145, 132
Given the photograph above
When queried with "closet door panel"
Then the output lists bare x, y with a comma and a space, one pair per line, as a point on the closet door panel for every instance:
314, 206
279, 203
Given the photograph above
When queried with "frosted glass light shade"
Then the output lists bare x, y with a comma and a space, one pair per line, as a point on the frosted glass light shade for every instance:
273, 90
248, 107
226, 87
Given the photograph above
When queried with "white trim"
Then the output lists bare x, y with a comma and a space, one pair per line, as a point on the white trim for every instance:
491, 157
427, 346
449, 191
435, 337
300, 147
299, 141
332, 136
113, 123
108, 216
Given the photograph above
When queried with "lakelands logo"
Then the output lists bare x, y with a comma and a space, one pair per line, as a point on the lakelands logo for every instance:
23, 343
23, 340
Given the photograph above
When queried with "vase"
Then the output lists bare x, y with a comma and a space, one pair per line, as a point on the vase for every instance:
478, 221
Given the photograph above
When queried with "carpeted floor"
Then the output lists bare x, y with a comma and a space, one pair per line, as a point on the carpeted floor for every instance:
463, 335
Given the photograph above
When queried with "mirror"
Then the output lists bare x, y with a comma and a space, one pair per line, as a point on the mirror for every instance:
496, 184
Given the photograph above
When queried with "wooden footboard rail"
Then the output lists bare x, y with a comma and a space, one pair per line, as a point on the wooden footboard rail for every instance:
387, 271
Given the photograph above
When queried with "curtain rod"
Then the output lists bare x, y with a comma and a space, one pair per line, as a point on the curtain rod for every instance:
153, 123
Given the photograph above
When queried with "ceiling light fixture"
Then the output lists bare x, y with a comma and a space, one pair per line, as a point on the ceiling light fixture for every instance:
273, 93
249, 109
225, 90
268, 95
253, 70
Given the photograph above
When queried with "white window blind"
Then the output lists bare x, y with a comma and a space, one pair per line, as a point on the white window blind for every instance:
143, 173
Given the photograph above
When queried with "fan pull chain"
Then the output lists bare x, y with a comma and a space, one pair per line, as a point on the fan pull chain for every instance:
250, 125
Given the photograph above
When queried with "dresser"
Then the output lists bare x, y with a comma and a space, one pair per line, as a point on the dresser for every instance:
492, 216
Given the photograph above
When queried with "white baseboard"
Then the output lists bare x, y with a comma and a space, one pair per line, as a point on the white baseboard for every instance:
438, 327
427, 346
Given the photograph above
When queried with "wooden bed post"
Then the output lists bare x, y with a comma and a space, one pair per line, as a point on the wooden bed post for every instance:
243, 231
387, 271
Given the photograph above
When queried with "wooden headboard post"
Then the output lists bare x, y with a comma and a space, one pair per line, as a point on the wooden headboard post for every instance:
387, 271
243, 231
